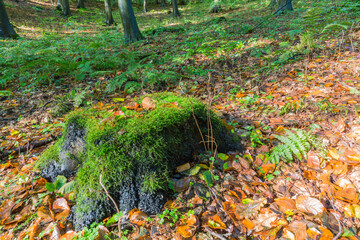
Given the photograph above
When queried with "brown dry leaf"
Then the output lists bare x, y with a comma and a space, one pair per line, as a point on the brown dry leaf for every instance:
311, 175
285, 204
298, 229
137, 217
183, 167
189, 226
148, 103
119, 113
61, 204
182, 184
248, 224
334, 154
347, 195
132, 106
326, 234
267, 168
313, 159
44, 212
5, 209
313, 233
215, 222
63, 215
309, 205
351, 156
68, 236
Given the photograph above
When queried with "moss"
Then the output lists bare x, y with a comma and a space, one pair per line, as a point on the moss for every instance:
143, 145
51, 154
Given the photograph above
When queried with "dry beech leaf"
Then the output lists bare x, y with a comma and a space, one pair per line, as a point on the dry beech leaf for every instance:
148, 103
298, 229
132, 106
68, 236
189, 227
313, 159
5, 210
333, 153
352, 210
215, 222
44, 212
63, 215
61, 204
309, 205
248, 224
285, 204
137, 217
267, 168
311, 175
326, 234
347, 195
182, 184
351, 156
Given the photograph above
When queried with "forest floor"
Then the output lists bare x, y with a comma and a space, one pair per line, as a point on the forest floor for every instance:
266, 76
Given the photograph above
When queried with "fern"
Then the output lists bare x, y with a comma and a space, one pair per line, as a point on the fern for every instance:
293, 144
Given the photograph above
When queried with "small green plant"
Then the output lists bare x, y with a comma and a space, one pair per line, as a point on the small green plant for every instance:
294, 144
171, 216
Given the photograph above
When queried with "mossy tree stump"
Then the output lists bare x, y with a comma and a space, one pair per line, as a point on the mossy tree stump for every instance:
133, 151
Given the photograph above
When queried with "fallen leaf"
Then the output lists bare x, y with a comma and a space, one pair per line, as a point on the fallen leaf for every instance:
347, 195
299, 230
181, 184
132, 106
61, 204
188, 227
137, 217
309, 205
183, 167
68, 236
148, 103
248, 224
215, 222
285, 204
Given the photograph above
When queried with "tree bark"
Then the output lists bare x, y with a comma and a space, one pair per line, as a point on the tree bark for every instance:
144, 4
58, 5
108, 13
272, 4
284, 5
176, 12
80, 4
65, 7
6, 29
163, 3
131, 29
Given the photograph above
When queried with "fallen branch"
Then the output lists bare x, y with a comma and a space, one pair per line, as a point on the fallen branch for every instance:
214, 234
28, 146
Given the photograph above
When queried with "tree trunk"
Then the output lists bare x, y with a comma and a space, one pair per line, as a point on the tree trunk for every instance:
6, 30
272, 4
144, 4
284, 5
131, 29
163, 3
58, 5
108, 13
176, 12
65, 7
80, 4
181, 2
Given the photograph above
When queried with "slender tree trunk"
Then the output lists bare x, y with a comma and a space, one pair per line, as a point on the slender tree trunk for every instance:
176, 12
163, 3
80, 4
6, 30
144, 4
131, 29
272, 4
58, 5
181, 2
284, 5
65, 7
108, 13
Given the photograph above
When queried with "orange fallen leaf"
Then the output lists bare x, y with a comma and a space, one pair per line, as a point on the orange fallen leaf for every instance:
309, 205
313, 159
347, 195
188, 227
248, 224
148, 103
132, 106
285, 204
138, 217
311, 175
68, 236
215, 222
61, 204
44, 212
299, 230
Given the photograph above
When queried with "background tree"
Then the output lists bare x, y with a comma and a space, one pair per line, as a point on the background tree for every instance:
284, 5
163, 3
80, 4
144, 5
272, 4
131, 29
65, 7
108, 13
176, 12
6, 30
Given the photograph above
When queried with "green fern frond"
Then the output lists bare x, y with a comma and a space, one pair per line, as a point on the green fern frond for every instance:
296, 143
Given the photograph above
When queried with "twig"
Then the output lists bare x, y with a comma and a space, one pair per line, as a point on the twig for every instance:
197, 125
117, 209
214, 234
336, 217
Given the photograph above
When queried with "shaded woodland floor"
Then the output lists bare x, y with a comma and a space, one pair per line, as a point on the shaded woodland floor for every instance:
264, 74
